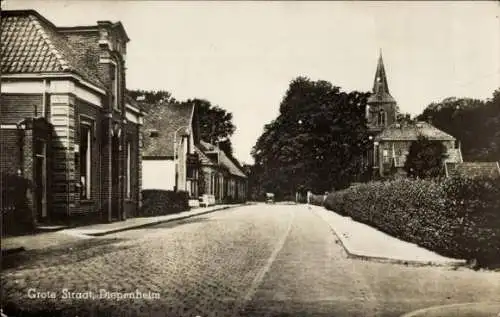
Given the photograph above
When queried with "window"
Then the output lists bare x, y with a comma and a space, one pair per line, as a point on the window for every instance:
381, 118
385, 154
115, 85
129, 166
85, 160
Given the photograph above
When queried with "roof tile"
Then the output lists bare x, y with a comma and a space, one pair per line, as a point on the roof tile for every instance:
29, 44
224, 160
410, 132
166, 119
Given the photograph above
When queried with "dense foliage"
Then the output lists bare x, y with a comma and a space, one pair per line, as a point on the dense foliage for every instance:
314, 143
475, 123
425, 158
163, 202
457, 217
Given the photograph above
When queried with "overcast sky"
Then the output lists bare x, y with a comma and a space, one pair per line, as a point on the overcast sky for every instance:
242, 55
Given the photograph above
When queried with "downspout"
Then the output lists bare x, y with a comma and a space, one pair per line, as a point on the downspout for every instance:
109, 117
44, 98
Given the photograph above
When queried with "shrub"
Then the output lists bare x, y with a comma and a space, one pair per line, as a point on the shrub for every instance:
457, 217
317, 200
163, 202
17, 215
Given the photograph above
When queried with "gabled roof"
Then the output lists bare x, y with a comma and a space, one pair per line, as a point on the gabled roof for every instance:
224, 160
32, 44
474, 169
166, 119
380, 91
204, 160
411, 132
134, 103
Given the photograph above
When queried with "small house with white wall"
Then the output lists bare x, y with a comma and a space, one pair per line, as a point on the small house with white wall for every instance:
169, 159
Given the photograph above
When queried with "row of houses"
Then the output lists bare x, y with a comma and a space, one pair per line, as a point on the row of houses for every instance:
174, 157
69, 130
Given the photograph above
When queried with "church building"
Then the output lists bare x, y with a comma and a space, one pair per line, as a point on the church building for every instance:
391, 138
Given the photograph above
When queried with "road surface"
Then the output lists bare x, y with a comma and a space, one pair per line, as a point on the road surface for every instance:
257, 260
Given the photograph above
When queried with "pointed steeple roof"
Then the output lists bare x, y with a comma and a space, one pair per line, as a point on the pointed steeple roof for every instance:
380, 92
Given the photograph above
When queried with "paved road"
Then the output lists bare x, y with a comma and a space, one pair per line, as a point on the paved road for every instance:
259, 260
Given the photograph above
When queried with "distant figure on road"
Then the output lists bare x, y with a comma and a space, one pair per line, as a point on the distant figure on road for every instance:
269, 198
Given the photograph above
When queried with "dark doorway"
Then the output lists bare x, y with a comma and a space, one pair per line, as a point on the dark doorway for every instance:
115, 178
40, 180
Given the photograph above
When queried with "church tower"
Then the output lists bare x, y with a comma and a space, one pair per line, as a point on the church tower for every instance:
381, 109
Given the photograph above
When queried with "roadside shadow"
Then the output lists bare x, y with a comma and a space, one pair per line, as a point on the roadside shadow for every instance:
177, 223
63, 254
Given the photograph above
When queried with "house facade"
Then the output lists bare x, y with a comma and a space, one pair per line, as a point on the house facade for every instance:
391, 138
169, 159
394, 142
221, 176
67, 126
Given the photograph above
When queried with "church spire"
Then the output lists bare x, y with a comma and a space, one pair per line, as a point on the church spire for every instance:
380, 83
380, 90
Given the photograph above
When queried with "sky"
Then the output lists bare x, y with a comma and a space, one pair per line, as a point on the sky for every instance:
243, 55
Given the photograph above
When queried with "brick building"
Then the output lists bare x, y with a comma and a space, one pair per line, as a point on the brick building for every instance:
391, 138
67, 126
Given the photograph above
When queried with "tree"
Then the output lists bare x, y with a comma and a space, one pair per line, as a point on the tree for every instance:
152, 98
315, 142
425, 158
475, 123
216, 125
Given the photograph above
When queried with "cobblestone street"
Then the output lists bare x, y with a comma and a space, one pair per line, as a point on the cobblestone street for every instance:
258, 260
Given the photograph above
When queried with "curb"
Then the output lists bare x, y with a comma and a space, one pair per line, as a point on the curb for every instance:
99, 234
479, 309
16, 250
374, 258
10, 251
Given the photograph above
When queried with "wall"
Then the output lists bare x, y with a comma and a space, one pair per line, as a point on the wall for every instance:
16, 107
86, 112
158, 174
132, 201
10, 151
399, 147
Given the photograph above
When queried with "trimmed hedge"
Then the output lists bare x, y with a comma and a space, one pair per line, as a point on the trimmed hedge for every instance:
456, 217
17, 217
163, 202
317, 200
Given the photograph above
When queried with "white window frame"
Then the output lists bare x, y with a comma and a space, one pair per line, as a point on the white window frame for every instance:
385, 155
88, 159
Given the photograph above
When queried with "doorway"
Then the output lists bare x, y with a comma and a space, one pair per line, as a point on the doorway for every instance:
40, 179
115, 179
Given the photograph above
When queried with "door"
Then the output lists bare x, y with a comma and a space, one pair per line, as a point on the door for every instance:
40, 179
115, 178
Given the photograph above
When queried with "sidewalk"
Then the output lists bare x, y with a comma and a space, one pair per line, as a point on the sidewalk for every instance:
67, 236
362, 241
